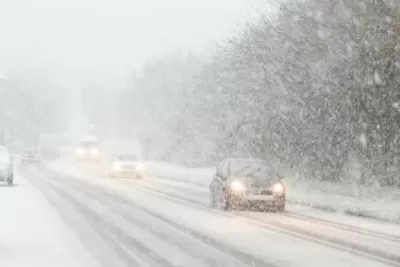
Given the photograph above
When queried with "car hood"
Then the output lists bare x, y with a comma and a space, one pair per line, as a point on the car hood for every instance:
255, 183
126, 162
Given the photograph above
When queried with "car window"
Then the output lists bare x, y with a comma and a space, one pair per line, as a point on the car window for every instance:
4, 154
219, 168
259, 170
126, 157
87, 144
32, 151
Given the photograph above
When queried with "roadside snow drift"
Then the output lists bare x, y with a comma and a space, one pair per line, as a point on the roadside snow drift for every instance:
32, 235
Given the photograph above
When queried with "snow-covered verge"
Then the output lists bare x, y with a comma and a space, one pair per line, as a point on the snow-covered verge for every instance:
31, 233
370, 202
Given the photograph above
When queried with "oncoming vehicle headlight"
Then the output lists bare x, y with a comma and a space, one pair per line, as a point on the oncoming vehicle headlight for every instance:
237, 186
117, 166
278, 188
94, 151
140, 167
80, 151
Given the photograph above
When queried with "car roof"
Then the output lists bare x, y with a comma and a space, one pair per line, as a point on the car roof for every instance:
124, 153
245, 159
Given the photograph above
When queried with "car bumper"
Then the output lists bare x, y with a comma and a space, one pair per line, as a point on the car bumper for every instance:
269, 200
86, 156
4, 176
30, 160
126, 173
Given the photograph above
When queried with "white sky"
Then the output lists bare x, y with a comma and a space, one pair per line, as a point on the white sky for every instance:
83, 40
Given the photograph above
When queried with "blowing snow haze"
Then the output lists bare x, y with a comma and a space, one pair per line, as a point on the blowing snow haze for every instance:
213, 133
98, 44
89, 37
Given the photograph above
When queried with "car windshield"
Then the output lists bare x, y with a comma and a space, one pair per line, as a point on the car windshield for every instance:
88, 144
4, 155
258, 170
126, 157
31, 151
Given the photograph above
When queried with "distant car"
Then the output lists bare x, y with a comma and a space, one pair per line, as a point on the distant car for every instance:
126, 165
31, 155
50, 153
6, 166
87, 150
245, 184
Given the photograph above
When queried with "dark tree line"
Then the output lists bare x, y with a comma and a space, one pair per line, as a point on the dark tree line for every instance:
315, 90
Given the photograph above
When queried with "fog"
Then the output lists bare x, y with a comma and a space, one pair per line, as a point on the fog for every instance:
90, 43
199, 92
82, 40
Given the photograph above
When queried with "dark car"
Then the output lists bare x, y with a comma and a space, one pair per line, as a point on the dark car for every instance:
247, 183
31, 155
50, 153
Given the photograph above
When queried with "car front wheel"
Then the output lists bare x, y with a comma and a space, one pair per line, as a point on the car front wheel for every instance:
280, 204
224, 202
10, 181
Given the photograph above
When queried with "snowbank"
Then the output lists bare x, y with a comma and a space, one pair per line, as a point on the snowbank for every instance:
374, 203
31, 234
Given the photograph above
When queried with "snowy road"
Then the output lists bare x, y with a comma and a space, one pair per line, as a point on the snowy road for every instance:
165, 222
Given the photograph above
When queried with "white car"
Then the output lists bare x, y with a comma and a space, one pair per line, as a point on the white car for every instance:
87, 150
6, 166
31, 155
126, 165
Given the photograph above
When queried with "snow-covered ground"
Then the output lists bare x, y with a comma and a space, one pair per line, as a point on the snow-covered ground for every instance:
31, 233
377, 203
164, 220
170, 219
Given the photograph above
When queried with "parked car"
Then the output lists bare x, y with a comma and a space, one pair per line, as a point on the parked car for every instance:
247, 183
6, 166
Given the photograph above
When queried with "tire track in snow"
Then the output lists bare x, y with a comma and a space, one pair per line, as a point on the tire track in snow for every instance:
351, 247
374, 254
117, 248
342, 226
223, 248
299, 216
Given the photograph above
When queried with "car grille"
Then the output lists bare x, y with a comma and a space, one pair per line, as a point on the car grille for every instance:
259, 191
128, 167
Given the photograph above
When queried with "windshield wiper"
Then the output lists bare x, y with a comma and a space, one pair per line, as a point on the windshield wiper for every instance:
252, 172
246, 167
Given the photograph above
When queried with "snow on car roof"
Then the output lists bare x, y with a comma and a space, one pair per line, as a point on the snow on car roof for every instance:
89, 138
246, 159
4, 154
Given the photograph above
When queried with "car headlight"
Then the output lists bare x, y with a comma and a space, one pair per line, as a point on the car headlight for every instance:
79, 151
278, 188
140, 167
237, 186
117, 166
95, 151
